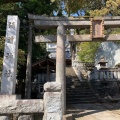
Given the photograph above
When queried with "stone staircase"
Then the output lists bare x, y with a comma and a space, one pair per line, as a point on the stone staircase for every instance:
77, 91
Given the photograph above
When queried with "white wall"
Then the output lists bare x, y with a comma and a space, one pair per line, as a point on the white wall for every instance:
51, 47
110, 51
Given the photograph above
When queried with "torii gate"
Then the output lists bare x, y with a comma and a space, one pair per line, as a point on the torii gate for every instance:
54, 103
97, 24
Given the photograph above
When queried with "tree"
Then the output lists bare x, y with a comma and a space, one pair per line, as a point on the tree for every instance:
22, 8
112, 8
88, 50
11, 1
88, 9
83, 7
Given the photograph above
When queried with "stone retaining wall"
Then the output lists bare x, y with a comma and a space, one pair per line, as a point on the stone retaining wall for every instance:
11, 105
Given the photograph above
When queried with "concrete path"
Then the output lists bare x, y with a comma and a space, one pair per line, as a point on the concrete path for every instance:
95, 111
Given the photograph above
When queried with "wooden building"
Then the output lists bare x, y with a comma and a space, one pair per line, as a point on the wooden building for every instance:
43, 71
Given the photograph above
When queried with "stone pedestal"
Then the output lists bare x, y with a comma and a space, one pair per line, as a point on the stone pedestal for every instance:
52, 105
52, 101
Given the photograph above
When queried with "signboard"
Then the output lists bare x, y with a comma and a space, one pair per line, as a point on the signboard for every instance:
97, 28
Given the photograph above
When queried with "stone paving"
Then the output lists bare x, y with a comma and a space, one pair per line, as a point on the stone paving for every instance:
95, 111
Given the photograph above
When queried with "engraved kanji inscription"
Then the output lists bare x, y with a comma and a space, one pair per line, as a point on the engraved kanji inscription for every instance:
9, 55
10, 39
11, 25
8, 73
52, 118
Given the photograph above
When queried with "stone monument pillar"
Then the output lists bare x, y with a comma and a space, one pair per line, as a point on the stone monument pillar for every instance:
60, 64
10, 56
10, 59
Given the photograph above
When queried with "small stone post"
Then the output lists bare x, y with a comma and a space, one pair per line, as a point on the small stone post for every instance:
60, 64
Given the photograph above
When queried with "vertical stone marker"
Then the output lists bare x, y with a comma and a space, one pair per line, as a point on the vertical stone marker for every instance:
10, 55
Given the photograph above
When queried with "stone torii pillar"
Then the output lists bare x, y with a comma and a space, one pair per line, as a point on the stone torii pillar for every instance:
28, 67
60, 64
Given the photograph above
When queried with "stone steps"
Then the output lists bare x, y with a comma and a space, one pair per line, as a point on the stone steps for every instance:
82, 94
79, 95
81, 102
77, 91
80, 99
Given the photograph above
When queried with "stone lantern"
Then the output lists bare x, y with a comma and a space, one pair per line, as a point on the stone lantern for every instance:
102, 63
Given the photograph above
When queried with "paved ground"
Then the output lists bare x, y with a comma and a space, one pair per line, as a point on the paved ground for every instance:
96, 111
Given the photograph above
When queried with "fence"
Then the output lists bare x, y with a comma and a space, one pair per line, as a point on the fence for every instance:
107, 74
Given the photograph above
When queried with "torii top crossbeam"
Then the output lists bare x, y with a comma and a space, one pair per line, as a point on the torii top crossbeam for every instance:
44, 22
71, 22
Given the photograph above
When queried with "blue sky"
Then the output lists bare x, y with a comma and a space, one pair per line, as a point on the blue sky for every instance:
80, 12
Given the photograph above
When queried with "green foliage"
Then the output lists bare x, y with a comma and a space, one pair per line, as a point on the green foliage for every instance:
115, 31
73, 6
39, 51
46, 7
92, 8
22, 9
111, 7
87, 51
40, 7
